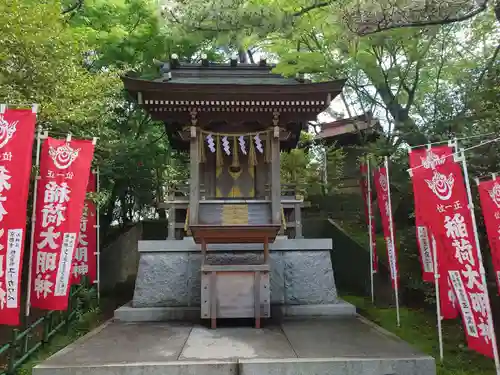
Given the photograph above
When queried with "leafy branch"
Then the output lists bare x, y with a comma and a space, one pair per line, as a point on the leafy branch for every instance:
77, 5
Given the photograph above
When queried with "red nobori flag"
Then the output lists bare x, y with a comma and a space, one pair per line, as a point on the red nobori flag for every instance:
64, 171
423, 232
421, 159
17, 128
382, 185
367, 197
84, 261
444, 198
489, 195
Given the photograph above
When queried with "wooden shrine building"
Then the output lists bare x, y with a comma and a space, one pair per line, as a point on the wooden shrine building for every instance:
234, 120
353, 134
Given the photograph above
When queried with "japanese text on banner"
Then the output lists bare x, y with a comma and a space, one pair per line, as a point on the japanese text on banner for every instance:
17, 128
420, 159
84, 261
64, 170
451, 222
423, 233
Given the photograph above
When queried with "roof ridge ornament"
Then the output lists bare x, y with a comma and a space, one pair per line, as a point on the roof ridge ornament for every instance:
165, 69
204, 60
234, 59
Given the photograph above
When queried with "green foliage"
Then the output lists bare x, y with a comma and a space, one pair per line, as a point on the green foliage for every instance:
70, 64
305, 166
41, 61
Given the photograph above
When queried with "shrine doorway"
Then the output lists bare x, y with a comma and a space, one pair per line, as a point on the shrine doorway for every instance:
235, 180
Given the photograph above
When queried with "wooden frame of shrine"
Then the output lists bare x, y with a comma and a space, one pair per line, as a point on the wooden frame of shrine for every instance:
234, 119
246, 108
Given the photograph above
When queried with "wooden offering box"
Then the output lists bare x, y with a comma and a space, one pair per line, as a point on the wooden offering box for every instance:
235, 290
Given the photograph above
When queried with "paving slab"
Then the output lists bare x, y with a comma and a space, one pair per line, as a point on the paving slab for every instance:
321, 346
235, 343
125, 343
344, 337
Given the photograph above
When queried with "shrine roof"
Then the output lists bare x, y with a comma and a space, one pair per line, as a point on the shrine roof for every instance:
245, 97
347, 131
223, 74
243, 79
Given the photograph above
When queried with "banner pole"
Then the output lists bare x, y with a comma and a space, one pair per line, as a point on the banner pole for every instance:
393, 244
98, 242
461, 158
39, 137
438, 301
368, 198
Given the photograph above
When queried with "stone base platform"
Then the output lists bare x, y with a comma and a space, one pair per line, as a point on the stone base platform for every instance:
128, 313
169, 272
333, 346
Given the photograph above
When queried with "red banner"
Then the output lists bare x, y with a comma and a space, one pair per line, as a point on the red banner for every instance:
444, 198
64, 171
447, 298
489, 195
423, 233
17, 128
84, 261
367, 197
382, 185
426, 241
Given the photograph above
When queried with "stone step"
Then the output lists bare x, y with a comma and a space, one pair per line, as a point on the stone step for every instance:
295, 366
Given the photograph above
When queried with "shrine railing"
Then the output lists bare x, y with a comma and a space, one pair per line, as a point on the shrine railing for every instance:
180, 191
25, 343
289, 190
177, 190
295, 190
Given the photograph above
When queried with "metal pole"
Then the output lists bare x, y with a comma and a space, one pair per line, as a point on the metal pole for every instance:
98, 239
438, 302
461, 158
369, 202
39, 137
392, 248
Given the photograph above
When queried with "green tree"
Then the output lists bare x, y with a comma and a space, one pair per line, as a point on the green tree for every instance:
41, 61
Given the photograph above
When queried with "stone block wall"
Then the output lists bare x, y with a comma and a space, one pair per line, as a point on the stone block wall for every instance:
173, 279
120, 259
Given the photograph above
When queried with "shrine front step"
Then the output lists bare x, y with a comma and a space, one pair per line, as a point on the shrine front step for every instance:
295, 366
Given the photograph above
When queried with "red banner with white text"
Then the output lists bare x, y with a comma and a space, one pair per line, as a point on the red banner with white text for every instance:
367, 197
382, 186
17, 128
489, 195
423, 233
444, 198
64, 172
84, 261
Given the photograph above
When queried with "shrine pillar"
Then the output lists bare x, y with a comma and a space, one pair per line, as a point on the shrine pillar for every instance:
194, 176
275, 173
